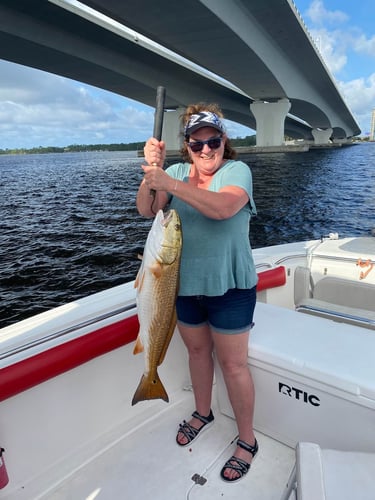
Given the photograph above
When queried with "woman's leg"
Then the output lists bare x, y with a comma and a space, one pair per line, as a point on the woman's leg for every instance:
231, 351
198, 341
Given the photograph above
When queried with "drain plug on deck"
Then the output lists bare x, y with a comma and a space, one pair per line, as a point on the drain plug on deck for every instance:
199, 479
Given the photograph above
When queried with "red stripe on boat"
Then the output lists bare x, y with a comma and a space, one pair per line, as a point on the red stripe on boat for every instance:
32, 371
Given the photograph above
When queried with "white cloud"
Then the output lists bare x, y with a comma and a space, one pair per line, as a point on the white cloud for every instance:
335, 43
360, 94
320, 15
331, 47
363, 45
38, 108
338, 40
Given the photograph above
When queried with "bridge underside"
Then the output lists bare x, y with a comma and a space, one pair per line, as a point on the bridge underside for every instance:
261, 47
45, 36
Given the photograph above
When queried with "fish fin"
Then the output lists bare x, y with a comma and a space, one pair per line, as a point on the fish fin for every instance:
168, 337
150, 387
137, 278
138, 346
138, 283
140, 275
156, 269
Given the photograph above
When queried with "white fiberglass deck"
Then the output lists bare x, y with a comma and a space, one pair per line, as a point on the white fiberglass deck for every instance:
146, 463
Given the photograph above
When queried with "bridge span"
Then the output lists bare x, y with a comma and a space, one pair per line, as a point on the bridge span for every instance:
275, 80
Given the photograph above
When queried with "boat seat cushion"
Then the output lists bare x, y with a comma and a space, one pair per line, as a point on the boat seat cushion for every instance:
337, 312
324, 474
335, 298
345, 292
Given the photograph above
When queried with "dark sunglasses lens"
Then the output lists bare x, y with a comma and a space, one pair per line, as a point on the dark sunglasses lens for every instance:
214, 143
198, 145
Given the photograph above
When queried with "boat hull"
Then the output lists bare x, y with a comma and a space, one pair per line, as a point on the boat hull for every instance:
68, 375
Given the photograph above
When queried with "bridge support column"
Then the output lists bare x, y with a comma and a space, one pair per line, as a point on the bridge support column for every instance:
270, 118
321, 136
171, 129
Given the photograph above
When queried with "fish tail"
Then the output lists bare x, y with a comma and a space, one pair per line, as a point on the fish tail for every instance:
150, 387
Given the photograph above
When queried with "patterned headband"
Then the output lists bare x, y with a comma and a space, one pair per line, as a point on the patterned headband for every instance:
203, 119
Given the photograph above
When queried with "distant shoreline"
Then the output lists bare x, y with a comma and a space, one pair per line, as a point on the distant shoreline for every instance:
131, 146
79, 148
75, 148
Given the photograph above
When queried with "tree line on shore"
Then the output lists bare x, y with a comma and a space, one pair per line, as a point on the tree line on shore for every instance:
131, 146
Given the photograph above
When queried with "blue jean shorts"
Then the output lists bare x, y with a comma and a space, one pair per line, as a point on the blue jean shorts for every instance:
229, 313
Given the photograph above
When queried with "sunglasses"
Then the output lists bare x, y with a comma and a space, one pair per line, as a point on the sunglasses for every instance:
213, 143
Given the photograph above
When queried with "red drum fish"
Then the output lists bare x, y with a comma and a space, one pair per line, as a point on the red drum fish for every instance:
157, 286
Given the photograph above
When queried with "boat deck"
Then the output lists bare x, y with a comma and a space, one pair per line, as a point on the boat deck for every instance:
149, 451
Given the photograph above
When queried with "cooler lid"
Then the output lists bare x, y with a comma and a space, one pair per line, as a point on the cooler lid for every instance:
335, 354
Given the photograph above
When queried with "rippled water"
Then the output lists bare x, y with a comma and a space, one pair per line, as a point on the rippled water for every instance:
69, 226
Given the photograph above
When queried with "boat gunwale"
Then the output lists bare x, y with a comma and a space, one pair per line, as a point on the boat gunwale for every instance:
65, 331
40, 367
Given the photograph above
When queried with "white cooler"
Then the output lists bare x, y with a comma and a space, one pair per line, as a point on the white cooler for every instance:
314, 380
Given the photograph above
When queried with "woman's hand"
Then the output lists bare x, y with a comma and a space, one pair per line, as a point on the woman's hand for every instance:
155, 152
155, 178
152, 193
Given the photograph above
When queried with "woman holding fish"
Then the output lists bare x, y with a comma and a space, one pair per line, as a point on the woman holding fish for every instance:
212, 193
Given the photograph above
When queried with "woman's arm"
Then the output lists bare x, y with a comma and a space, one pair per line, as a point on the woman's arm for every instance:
150, 201
217, 205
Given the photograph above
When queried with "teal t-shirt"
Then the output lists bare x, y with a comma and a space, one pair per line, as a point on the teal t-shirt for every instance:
216, 254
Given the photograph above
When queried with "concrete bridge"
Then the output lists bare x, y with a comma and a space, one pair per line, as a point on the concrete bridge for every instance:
270, 75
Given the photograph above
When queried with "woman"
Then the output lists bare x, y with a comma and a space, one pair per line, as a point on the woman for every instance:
212, 194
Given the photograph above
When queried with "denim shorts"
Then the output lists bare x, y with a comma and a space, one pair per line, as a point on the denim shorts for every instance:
228, 313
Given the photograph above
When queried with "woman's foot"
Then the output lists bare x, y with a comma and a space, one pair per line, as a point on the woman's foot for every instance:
239, 464
188, 431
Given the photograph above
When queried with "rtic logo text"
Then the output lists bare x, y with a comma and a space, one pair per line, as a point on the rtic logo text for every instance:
295, 393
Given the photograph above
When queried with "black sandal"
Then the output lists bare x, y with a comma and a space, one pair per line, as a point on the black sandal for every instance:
237, 464
191, 432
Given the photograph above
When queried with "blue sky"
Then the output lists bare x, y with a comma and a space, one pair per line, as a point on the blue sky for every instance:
39, 109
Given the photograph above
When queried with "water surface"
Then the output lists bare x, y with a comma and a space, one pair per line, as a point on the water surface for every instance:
69, 226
